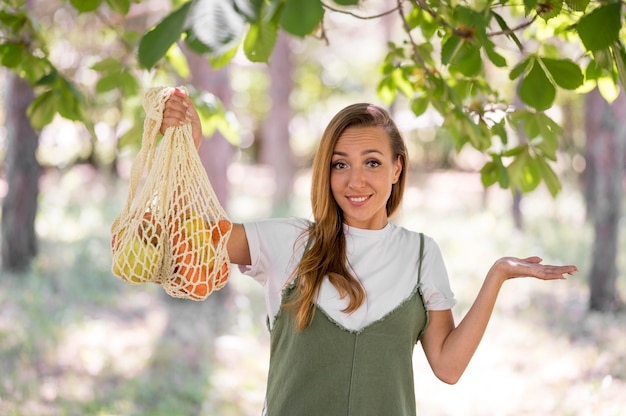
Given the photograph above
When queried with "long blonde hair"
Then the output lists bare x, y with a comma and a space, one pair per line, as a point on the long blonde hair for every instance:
326, 254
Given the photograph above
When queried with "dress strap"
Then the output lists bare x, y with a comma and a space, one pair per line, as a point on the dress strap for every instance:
419, 267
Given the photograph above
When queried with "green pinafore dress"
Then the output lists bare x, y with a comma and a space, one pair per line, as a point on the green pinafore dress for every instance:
328, 370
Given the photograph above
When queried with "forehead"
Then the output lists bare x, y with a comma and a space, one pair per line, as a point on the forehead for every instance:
359, 138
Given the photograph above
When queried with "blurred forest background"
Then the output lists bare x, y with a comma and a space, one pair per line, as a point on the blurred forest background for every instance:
75, 340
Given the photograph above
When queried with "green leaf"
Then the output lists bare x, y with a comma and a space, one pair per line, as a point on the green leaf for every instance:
536, 90
604, 60
107, 65
547, 9
347, 2
129, 85
462, 56
119, 6
11, 55
529, 6
524, 173
620, 61
223, 59
259, 41
107, 83
520, 68
69, 104
499, 129
155, 44
549, 176
600, 28
84, 6
549, 131
216, 24
419, 105
449, 49
565, 73
48, 79
577, 5
505, 28
514, 151
593, 71
42, 110
489, 174
402, 83
494, 171
301, 17
386, 90
495, 58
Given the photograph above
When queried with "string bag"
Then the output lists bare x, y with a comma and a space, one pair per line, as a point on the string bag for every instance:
172, 230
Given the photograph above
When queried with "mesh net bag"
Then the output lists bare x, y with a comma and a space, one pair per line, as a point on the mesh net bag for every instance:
172, 230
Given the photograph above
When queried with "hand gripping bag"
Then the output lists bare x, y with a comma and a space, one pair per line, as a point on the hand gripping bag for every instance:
172, 231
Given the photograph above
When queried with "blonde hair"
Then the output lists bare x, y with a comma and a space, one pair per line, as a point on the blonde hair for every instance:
326, 254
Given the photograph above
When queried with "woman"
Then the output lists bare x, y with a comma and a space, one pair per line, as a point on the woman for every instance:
349, 294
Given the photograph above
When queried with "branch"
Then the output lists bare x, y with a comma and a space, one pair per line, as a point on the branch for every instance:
422, 5
356, 15
515, 29
407, 29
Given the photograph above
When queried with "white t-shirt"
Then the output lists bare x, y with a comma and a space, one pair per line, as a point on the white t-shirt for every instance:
385, 262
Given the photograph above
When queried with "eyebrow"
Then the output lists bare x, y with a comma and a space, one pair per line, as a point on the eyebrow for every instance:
364, 152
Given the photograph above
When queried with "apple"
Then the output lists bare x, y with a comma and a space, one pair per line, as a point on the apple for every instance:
196, 230
136, 261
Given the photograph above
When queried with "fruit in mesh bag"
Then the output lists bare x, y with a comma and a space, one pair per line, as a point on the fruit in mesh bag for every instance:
149, 229
195, 241
135, 260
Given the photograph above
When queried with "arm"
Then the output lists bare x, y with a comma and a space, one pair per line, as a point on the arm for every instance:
449, 349
178, 110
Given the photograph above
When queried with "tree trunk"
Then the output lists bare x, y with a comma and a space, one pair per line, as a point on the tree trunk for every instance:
216, 152
606, 138
19, 207
275, 149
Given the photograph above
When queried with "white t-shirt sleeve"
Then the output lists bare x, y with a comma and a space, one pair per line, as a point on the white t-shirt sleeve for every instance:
435, 283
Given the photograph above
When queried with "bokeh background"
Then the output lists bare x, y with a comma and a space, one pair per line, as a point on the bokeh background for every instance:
75, 340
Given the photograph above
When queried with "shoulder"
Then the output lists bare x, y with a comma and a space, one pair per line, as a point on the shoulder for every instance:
278, 225
411, 239
276, 233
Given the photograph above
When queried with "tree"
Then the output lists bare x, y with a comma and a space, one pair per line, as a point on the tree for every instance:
448, 58
446, 61
440, 63
275, 149
606, 149
19, 244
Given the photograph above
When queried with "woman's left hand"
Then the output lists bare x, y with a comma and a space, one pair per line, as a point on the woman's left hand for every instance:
512, 267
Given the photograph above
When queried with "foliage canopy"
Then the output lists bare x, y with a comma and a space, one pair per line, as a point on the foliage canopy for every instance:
444, 61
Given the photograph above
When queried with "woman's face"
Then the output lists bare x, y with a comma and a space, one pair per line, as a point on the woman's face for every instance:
362, 172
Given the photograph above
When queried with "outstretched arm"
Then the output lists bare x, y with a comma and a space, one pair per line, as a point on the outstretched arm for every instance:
178, 110
449, 348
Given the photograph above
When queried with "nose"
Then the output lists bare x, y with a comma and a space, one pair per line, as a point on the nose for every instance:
357, 178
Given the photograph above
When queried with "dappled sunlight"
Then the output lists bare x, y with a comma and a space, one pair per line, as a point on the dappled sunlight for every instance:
119, 344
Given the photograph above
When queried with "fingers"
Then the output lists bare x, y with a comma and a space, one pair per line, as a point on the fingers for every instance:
511, 267
176, 110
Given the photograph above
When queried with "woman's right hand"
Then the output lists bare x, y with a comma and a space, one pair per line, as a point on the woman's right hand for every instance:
179, 110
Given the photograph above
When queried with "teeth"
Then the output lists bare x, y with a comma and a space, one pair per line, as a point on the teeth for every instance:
360, 199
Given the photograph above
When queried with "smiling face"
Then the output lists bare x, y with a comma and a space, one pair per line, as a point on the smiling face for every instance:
362, 171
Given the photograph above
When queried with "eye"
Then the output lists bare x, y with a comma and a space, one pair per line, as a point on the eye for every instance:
373, 163
338, 165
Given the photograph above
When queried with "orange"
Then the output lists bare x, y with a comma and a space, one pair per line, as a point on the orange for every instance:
219, 231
